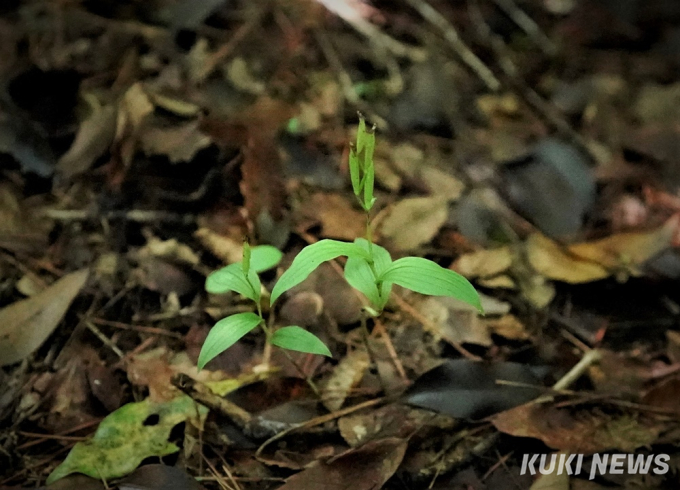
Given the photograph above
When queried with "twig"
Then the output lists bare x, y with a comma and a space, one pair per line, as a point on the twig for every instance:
344, 79
361, 25
105, 340
223, 52
136, 215
415, 314
319, 421
453, 38
528, 25
511, 78
588, 359
252, 426
380, 328
136, 328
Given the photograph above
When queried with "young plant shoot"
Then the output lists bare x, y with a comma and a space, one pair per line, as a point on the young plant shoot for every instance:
369, 268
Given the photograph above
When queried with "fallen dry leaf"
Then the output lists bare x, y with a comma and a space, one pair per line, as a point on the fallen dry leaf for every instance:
365, 468
224, 247
454, 320
484, 263
338, 218
179, 143
93, 139
507, 326
550, 260
26, 324
414, 221
629, 249
345, 376
592, 261
580, 431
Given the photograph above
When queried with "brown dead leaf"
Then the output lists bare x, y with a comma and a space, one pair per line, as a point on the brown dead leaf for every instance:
556, 480
582, 431
393, 420
93, 139
441, 183
507, 326
414, 221
664, 395
26, 324
454, 320
484, 263
224, 247
346, 375
168, 249
592, 261
155, 368
338, 218
179, 143
629, 250
553, 262
365, 468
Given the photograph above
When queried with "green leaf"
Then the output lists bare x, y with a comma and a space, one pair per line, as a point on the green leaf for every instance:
381, 257
226, 333
359, 274
299, 339
309, 259
232, 278
361, 134
425, 277
264, 257
123, 439
354, 170
246, 258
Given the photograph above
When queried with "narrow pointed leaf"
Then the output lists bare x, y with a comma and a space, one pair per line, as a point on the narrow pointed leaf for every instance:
425, 277
231, 278
309, 259
299, 339
361, 134
369, 183
226, 333
245, 263
354, 170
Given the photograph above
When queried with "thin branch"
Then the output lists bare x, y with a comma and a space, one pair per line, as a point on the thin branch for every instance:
453, 38
528, 25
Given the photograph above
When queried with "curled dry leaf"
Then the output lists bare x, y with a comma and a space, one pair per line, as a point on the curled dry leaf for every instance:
224, 247
591, 261
345, 376
484, 263
414, 221
26, 324
93, 139
553, 262
338, 218
179, 143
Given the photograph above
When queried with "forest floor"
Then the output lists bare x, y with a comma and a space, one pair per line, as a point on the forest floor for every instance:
531, 147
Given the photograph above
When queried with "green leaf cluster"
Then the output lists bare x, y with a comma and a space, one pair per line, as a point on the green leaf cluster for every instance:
242, 278
361, 166
369, 269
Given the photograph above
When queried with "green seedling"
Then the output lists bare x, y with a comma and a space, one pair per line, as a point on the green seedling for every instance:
369, 268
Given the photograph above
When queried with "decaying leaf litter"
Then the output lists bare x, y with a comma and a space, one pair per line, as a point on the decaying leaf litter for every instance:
530, 147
